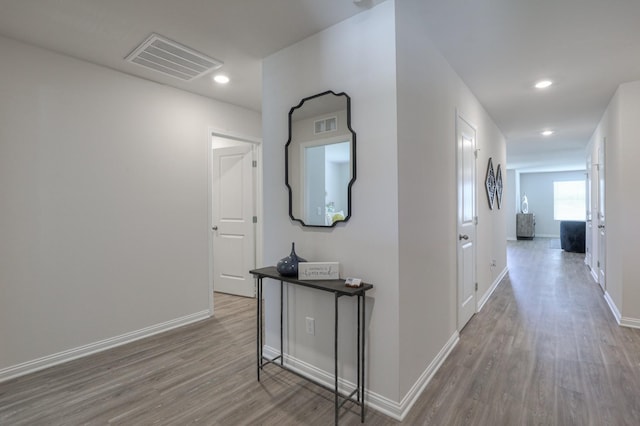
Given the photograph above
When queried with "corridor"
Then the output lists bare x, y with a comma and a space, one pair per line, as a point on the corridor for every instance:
545, 349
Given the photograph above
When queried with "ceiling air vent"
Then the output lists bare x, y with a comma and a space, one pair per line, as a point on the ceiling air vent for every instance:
168, 57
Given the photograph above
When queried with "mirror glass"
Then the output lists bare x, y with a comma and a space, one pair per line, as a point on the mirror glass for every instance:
320, 160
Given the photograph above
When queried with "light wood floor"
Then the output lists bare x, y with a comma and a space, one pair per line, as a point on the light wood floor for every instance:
544, 350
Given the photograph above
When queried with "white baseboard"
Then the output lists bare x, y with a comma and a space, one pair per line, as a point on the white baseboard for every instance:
376, 401
393, 409
594, 274
416, 390
485, 297
102, 345
613, 307
622, 321
629, 322
310, 371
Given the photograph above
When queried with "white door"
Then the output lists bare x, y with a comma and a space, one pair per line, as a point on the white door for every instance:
589, 226
232, 214
466, 235
601, 217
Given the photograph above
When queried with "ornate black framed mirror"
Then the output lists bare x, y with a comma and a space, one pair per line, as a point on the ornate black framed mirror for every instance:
320, 160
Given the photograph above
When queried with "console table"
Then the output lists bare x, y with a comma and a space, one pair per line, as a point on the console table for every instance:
339, 289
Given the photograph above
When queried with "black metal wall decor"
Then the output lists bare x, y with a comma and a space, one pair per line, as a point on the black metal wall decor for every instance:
490, 183
499, 186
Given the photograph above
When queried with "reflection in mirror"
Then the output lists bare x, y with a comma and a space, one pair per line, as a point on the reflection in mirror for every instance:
320, 160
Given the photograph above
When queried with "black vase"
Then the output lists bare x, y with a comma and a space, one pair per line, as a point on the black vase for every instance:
288, 266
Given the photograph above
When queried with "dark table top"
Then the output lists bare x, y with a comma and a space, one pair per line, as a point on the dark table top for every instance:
325, 285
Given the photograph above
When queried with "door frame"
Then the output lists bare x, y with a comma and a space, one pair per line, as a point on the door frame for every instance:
460, 116
303, 165
588, 255
602, 220
257, 185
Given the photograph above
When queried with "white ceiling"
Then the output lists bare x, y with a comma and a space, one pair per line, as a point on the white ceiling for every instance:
238, 32
498, 47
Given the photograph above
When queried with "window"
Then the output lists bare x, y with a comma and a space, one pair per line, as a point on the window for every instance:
569, 200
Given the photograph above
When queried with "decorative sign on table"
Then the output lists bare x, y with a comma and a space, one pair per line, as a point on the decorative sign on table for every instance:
318, 270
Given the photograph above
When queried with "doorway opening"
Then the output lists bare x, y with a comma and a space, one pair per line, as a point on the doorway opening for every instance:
234, 213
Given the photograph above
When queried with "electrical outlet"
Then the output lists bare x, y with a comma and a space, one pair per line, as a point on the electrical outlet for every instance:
311, 326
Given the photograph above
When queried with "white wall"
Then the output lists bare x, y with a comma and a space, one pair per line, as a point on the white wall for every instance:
511, 202
620, 127
538, 187
429, 94
622, 201
402, 236
103, 182
357, 57
611, 129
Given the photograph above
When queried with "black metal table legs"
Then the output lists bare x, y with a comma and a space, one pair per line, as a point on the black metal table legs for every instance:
335, 358
259, 324
361, 370
360, 339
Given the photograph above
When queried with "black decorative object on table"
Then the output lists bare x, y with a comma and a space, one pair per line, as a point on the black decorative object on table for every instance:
288, 266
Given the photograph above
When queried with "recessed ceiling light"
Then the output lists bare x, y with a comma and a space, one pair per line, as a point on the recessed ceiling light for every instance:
221, 79
547, 133
543, 84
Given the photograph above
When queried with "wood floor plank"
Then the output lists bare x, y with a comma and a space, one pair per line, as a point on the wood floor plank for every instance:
545, 349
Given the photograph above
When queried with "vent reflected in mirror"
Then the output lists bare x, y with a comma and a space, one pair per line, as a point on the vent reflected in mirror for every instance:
320, 160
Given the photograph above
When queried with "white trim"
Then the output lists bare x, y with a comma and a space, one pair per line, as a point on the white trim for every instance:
310, 371
613, 307
485, 298
622, 321
594, 274
259, 206
102, 345
209, 145
418, 387
380, 403
233, 135
629, 322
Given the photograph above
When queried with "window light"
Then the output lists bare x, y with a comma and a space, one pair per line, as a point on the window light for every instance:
569, 200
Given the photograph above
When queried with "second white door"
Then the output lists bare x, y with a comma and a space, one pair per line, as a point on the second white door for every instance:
466, 235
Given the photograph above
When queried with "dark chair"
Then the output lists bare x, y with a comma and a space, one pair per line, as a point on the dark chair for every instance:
572, 236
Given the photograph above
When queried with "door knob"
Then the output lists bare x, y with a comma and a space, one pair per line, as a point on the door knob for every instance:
463, 237
214, 228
